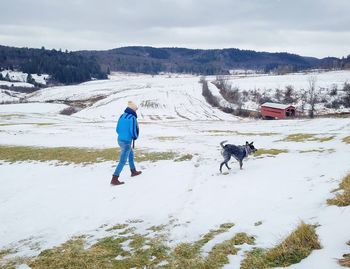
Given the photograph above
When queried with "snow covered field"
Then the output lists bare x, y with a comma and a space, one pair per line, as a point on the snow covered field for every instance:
329, 87
43, 204
297, 80
21, 77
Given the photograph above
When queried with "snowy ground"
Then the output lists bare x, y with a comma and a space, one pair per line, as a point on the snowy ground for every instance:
45, 204
268, 85
297, 80
21, 77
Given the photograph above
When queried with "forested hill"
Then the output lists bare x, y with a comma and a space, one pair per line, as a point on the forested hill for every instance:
63, 67
207, 62
75, 67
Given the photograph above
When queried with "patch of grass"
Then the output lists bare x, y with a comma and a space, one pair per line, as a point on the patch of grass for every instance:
306, 137
320, 150
150, 255
65, 155
346, 140
296, 247
343, 197
269, 152
257, 134
13, 262
258, 223
345, 261
117, 227
142, 251
227, 225
43, 123
167, 138
137, 241
73, 255
130, 230
223, 132
218, 256
186, 157
187, 255
325, 139
212, 233
298, 137
158, 228
7, 263
5, 252
28, 123
142, 156
12, 115
134, 221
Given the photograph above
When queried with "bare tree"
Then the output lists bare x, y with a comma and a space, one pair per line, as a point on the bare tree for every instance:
209, 97
303, 99
312, 95
289, 95
278, 95
346, 98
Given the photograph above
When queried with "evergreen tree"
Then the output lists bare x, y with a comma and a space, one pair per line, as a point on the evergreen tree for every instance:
30, 79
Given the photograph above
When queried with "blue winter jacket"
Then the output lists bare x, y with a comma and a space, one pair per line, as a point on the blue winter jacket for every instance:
127, 127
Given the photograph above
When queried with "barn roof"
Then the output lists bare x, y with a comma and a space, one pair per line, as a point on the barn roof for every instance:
276, 105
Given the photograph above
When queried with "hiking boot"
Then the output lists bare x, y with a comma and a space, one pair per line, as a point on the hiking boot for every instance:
135, 173
115, 181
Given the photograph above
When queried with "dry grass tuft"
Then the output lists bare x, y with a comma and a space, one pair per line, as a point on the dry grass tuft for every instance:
72, 254
297, 246
167, 138
117, 227
306, 137
158, 228
11, 262
269, 152
345, 261
319, 150
66, 155
343, 197
218, 256
346, 140
28, 123
223, 132
185, 157
5, 252
141, 251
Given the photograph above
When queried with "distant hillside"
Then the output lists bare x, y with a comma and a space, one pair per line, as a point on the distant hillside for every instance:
63, 67
207, 62
75, 67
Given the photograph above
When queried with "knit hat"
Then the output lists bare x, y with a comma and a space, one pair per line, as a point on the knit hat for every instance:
132, 105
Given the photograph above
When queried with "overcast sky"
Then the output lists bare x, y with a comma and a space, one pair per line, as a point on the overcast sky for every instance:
317, 28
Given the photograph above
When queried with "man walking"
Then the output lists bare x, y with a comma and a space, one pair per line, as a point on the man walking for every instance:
128, 131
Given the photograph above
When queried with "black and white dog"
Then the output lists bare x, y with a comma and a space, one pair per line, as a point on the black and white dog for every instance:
238, 152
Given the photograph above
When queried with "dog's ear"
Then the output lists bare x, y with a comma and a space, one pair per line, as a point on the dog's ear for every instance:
251, 143
246, 143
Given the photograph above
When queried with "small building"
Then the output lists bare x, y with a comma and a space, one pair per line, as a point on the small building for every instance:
277, 111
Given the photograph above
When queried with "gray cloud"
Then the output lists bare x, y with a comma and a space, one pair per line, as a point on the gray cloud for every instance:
308, 27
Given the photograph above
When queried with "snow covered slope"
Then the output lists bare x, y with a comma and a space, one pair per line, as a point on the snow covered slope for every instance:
297, 80
43, 204
21, 77
159, 97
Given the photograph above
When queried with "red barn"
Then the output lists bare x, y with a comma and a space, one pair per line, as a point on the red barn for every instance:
277, 111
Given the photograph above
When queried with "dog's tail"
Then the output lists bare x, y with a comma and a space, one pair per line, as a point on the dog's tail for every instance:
222, 143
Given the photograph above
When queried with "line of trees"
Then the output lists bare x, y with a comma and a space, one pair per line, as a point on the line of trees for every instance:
307, 99
63, 67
